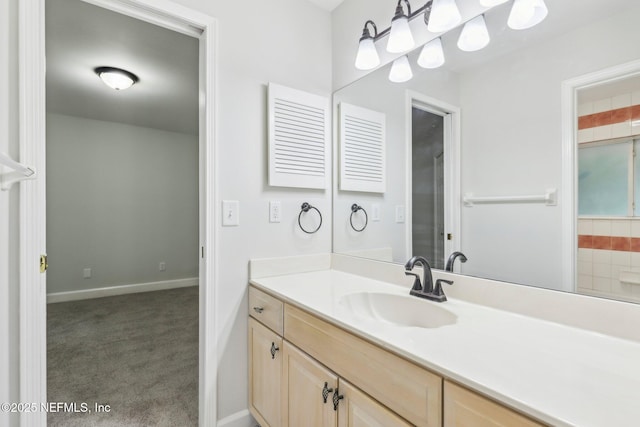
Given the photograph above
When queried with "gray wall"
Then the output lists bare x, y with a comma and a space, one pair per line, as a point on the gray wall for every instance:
120, 199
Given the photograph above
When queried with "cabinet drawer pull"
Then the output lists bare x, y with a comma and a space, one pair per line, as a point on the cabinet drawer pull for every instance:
258, 309
325, 392
336, 399
274, 349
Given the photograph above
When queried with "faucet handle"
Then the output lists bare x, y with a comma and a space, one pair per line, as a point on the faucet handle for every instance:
437, 290
417, 286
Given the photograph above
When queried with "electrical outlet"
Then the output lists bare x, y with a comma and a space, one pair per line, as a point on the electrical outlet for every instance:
86, 273
162, 266
230, 213
375, 212
275, 211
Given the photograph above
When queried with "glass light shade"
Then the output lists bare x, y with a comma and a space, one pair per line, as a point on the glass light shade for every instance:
432, 54
444, 16
400, 37
367, 57
491, 3
401, 70
116, 80
527, 13
474, 35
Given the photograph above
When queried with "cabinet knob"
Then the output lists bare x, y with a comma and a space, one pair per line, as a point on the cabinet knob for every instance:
336, 399
258, 309
274, 349
325, 392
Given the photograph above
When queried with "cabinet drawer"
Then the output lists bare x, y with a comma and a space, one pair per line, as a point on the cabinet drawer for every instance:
463, 407
266, 309
407, 389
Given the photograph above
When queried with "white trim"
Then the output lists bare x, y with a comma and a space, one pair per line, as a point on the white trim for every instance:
32, 194
568, 200
452, 134
239, 419
110, 291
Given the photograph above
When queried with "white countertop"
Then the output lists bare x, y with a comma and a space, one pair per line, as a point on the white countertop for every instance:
559, 374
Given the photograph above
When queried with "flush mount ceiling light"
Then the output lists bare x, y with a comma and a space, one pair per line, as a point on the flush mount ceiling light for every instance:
367, 57
400, 37
474, 35
116, 78
440, 16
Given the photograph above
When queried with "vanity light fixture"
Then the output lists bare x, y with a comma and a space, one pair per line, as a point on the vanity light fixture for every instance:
400, 37
432, 54
445, 15
440, 16
401, 70
527, 13
367, 57
116, 78
474, 35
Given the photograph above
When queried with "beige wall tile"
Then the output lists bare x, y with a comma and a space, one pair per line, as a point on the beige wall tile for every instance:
620, 258
585, 226
621, 227
586, 108
602, 227
586, 255
601, 270
585, 135
621, 101
602, 284
602, 132
585, 268
602, 105
619, 130
585, 281
602, 256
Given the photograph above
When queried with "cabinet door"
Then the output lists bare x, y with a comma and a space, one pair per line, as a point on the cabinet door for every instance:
464, 408
265, 374
356, 409
308, 390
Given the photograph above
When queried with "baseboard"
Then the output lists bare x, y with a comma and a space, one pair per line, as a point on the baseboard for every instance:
120, 290
239, 419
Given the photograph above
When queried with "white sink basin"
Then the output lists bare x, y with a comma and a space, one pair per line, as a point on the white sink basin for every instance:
400, 310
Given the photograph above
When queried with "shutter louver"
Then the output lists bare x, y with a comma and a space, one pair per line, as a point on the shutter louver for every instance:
298, 138
362, 149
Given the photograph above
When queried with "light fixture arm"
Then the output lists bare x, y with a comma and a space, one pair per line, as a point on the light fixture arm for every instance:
410, 16
365, 31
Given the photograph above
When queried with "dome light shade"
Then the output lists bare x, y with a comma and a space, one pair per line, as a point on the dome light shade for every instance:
400, 37
432, 55
444, 16
527, 13
474, 35
116, 78
491, 3
401, 70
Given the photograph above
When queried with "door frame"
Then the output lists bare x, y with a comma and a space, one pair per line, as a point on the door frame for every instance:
451, 115
569, 203
32, 135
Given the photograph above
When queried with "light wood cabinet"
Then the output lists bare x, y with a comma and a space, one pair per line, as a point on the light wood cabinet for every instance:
309, 388
297, 362
464, 408
265, 374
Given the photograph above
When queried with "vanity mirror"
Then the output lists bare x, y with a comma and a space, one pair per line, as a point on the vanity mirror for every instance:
480, 154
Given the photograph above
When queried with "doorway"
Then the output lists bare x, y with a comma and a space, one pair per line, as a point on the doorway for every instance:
32, 209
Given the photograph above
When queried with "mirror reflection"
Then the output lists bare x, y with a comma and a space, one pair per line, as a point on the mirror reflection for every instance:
473, 159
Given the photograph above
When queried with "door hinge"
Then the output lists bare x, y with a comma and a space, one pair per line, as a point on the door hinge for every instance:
43, 263
202, 252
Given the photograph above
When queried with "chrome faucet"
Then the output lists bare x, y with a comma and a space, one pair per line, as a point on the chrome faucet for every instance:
428, 291
452, 259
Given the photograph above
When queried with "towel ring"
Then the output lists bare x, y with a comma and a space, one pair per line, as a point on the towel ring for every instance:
355, 208
306, 207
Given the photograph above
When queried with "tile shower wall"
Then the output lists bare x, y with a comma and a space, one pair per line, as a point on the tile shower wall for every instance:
609, 258
609, 118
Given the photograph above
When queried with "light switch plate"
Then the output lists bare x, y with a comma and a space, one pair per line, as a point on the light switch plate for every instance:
399, 213
275, 211
375, 212
230, 213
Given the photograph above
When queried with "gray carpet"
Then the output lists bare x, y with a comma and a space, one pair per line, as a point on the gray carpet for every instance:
137, 353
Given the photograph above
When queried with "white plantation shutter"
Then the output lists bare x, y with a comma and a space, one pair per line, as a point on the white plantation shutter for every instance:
298, 138
362, 149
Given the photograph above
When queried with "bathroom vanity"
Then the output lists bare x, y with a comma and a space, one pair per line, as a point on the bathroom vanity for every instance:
338, 348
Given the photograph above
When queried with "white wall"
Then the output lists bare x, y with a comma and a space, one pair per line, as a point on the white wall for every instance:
120, 199
511, 127
377, 93
284, 41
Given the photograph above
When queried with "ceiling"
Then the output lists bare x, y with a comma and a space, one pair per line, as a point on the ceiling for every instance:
327, 4
81, 37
